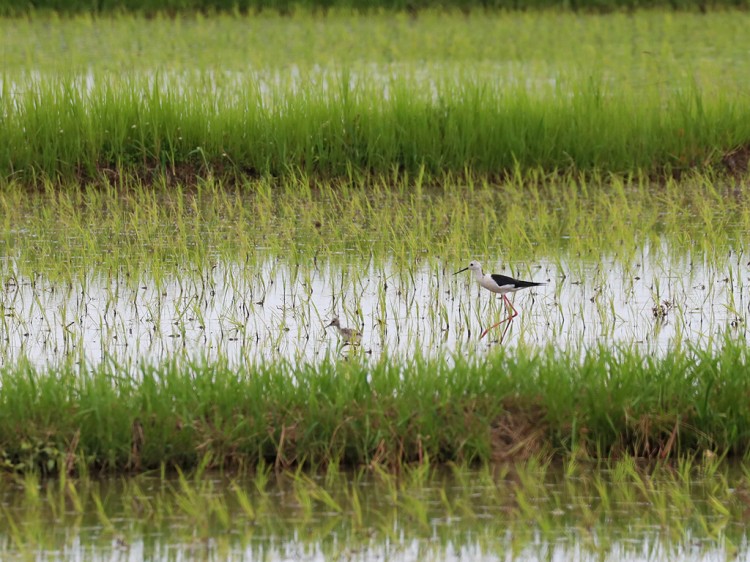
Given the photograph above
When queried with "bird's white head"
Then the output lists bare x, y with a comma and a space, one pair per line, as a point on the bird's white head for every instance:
473, 266
335, 322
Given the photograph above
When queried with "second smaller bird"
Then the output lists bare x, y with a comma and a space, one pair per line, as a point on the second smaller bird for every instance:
349, 335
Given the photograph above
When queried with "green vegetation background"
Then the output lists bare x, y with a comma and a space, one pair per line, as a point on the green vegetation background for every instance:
17, 7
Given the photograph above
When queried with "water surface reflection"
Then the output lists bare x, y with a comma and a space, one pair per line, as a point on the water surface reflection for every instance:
271, 309
622, 515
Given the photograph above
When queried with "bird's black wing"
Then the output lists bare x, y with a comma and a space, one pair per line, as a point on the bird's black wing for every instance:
505, 281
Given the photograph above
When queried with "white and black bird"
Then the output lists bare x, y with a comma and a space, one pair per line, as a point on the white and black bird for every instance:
349, 335
501, 284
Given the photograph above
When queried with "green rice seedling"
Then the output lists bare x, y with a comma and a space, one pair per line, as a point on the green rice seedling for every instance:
74, 497
602, 493
403, 129
101, 512
31, 487
389, 483
303, 498
356, 507
321, 494
245, 502
198, 502
416, 510
158, 263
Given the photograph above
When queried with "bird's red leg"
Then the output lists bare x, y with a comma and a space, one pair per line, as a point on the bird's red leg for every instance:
509, 304
496, 325
508, 319
493, 326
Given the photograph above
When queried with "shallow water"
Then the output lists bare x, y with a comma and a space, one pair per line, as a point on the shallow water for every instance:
476, 516
272, 310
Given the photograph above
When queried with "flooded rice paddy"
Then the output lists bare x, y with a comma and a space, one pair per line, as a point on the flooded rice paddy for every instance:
103, 274
523, 513
101, 282
274, 310
636, 290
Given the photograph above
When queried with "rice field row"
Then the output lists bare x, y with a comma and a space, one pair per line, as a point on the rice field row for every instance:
475, 409
142, 232
61, 130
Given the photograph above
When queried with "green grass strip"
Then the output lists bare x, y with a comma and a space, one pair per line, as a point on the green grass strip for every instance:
60, 131
482, 409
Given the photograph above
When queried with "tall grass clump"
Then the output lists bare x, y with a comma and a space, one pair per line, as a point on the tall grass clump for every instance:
506, 406
65, 129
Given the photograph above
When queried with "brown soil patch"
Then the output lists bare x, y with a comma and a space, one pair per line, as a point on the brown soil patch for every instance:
737, 161
518, 434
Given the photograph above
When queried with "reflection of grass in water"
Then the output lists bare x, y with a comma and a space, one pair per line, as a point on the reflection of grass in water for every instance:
52, 129
352, 413
595, 508
149, 235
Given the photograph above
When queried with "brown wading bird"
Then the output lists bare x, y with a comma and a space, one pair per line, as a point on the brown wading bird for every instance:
349, 335
501, 284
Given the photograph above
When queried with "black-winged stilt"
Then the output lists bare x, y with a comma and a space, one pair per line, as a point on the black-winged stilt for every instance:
501, 284
349, 335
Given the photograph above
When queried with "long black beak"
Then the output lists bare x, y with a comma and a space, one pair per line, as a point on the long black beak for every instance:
461, 271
